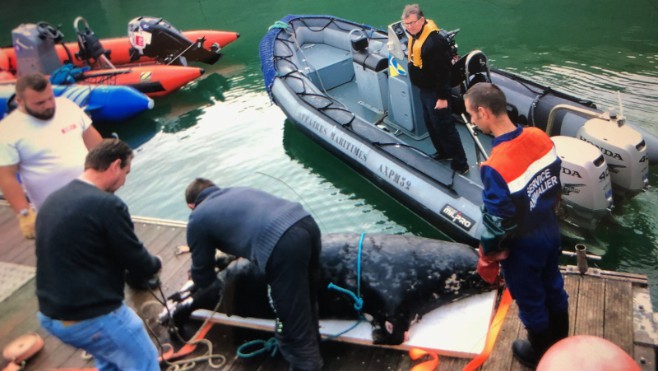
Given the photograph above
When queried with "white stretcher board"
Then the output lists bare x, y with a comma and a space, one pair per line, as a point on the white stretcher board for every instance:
458, 329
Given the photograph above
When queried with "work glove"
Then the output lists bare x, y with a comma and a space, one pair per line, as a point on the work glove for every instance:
26, 222
488, 269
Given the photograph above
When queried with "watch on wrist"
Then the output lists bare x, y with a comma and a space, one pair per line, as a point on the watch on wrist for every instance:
23, 212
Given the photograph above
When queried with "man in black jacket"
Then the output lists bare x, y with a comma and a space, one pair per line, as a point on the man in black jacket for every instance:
85, 245
430, 64
277, 235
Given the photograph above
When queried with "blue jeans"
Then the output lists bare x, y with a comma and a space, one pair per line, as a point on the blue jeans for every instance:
118, 340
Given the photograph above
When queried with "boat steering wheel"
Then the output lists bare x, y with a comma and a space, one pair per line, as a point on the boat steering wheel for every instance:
48, 31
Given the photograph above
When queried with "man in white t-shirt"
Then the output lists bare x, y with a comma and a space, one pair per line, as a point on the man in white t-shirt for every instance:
44, 141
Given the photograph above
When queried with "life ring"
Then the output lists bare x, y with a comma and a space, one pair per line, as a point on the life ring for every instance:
23, 348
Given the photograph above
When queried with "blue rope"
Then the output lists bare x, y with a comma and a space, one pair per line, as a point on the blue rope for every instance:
358, 300
269, 345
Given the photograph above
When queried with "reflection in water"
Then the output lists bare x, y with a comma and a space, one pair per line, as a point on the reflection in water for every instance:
202, 92
135, 131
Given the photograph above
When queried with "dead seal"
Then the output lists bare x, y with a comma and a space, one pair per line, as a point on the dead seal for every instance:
401, 279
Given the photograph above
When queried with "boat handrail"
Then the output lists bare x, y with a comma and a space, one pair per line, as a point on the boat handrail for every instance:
553, 113
479, 149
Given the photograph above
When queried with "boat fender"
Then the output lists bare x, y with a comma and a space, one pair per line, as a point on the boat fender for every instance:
22, 348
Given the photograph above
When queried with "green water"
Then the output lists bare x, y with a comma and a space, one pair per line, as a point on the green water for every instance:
224, 127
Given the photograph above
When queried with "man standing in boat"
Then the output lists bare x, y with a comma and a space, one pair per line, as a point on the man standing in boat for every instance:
281, 238
86, 250
430, 65
44, 141
521, 182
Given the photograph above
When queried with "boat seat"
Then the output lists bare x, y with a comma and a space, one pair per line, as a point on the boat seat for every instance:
326, 65
366, 59
370, 72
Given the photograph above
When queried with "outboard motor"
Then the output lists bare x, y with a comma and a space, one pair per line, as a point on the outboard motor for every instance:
586, 187
35, 48
625, 152
158, 39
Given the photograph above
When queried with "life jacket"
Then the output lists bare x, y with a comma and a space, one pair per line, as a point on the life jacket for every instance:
416, 44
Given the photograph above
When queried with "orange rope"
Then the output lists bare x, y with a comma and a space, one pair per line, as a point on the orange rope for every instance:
431, 365
494, 329
189, 347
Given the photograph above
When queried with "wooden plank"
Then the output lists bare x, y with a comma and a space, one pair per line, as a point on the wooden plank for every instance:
618, 314
572, 287
589, 314
468, 317
501, 357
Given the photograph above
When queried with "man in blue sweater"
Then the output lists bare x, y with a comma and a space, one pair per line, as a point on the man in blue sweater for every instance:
85, 245
521, 182
277, 235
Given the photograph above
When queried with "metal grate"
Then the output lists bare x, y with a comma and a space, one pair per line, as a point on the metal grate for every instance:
12, 277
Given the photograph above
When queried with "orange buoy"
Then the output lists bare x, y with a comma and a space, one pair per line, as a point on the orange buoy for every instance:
23, 348
586, 353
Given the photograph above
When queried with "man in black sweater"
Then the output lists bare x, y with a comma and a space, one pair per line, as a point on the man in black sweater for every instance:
277, 235
85, 246
430, 65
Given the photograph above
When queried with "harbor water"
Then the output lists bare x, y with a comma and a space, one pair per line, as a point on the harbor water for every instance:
224, 127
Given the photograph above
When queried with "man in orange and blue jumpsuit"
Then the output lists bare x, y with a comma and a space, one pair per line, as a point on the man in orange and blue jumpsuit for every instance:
521, 189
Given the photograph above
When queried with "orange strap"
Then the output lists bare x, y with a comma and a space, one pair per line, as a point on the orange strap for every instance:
188, 347
431, 365
494, 329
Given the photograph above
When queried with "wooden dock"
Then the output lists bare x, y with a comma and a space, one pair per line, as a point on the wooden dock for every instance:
612, 305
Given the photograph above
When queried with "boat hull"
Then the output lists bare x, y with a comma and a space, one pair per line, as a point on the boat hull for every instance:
119, 48
153, 80
103, 103
337, 81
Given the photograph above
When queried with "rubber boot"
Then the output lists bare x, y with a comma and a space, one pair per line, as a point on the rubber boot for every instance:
559, 325
530, 351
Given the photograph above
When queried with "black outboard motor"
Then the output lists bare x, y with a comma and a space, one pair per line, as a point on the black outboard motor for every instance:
156, 38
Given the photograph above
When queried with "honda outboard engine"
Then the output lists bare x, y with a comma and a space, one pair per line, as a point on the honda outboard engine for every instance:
35, 48
158, 39
586, 188
625, 152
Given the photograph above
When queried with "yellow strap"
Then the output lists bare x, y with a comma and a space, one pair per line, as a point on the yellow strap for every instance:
494, 329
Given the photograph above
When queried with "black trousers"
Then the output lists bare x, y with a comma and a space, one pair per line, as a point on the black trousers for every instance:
441, 128
293, 275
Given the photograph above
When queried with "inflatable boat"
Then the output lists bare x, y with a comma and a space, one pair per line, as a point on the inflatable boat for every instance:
345, 85
103, 103
149, 39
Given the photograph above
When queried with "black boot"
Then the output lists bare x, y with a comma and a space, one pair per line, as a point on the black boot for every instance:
559, 325
530, 351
